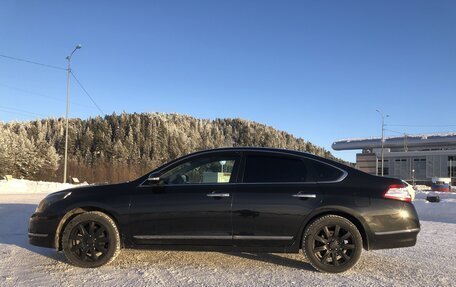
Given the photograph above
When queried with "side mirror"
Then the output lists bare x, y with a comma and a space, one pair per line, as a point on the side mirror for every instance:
153, 179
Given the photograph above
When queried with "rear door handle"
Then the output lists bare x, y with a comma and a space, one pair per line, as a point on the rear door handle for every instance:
304, 195
218, 194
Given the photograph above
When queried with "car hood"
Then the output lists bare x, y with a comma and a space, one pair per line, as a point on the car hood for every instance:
92, 188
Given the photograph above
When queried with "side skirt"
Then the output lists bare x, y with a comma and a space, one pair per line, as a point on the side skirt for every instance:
289, 249
226, 243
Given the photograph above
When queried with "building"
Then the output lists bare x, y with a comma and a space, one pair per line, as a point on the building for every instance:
414, 158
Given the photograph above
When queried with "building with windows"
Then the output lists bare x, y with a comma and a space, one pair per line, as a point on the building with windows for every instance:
414, 158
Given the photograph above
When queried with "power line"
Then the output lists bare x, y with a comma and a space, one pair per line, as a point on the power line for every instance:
32, 62
16, 113
87, 93
22, 111
42, 95
28, 92
394, 131
58, 68
418, 126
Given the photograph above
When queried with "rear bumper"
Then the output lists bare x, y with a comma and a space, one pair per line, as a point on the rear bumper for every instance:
394, 239
41, 231
392, 224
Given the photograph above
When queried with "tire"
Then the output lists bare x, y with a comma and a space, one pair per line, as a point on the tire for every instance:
91, 239
332, 244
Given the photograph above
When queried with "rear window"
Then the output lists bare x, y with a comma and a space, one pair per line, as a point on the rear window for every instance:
275, 169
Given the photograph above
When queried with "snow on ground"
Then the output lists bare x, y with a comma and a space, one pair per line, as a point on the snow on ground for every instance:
443, 211
29, 186
429, 263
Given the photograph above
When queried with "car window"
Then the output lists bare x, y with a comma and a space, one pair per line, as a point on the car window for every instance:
263, 168
326, 172
201, 170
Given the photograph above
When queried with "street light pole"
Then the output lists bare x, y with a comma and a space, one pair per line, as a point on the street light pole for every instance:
383, 134
67, 112
451, 170
413, 177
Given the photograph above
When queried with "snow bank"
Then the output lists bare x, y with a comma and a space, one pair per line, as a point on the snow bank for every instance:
420, 188
29, 186
443, 211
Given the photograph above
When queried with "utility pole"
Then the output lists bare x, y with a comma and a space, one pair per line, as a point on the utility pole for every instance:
405, 142
383, 135
67, 112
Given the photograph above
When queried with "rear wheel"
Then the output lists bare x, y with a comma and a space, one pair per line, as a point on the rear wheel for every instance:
332, 244
91, 239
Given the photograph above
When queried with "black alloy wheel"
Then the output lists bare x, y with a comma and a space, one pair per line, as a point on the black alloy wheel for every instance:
91, 239
332, 244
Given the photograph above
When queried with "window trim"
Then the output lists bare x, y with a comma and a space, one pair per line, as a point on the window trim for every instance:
267, 153
235, 173
240, 168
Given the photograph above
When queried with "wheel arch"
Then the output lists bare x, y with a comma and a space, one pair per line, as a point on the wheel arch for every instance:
69, 215
343, 212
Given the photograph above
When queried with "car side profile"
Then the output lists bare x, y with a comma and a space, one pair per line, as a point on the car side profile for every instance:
233, 199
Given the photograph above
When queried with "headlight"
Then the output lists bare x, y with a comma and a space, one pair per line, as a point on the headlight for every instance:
50, 199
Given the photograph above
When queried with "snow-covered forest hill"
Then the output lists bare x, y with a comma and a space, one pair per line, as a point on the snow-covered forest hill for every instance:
122, 147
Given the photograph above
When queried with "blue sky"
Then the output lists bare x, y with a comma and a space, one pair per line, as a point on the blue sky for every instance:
317, 69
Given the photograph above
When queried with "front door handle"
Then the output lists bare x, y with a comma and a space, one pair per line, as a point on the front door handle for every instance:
218, 194
304, 195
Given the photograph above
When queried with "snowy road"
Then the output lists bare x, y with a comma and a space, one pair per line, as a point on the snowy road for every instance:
430, 263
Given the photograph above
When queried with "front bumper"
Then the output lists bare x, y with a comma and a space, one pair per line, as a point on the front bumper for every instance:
41, 230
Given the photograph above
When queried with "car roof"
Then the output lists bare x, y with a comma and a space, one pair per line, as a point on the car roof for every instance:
268, 149
248, 148
277, 151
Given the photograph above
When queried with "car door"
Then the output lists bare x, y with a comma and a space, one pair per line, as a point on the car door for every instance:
276, 194
190, 203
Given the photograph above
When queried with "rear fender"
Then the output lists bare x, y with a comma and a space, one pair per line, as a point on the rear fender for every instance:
348, 213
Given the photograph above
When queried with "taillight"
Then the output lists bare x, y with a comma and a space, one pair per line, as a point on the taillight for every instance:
398, 192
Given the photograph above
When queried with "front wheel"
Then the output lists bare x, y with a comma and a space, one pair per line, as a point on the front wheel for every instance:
91, 239
332, 244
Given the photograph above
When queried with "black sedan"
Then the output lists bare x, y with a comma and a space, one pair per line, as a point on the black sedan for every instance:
233, 199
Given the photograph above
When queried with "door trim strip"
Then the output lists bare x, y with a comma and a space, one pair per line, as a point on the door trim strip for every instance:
254, 237
211, 237
203, 237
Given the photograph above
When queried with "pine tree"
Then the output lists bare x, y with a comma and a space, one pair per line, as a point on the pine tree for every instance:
125, 146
